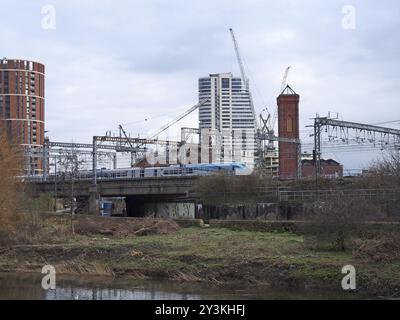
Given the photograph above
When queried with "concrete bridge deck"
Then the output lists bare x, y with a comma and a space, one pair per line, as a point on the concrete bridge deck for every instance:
184, 187
139, 192
179, 186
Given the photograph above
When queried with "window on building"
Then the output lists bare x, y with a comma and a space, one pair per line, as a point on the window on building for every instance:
225, 83
289, 125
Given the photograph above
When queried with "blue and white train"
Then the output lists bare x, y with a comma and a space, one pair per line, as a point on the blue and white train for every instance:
201, 169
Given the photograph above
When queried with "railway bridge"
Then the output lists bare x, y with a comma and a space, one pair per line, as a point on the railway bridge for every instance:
137, 192
177, 194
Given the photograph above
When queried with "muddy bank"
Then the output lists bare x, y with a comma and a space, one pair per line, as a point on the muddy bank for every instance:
147, 261
215, 256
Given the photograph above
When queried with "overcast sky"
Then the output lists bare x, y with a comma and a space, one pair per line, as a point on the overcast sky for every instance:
110, 62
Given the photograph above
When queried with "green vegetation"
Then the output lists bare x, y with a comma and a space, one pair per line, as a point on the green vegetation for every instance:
219, 256
223, 188
155, 248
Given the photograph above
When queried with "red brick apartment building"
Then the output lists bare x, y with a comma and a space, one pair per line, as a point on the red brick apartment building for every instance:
22, 87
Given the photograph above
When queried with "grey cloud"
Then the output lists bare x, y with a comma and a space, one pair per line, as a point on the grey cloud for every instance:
123, 61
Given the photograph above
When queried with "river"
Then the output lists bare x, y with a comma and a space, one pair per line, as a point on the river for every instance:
20, 286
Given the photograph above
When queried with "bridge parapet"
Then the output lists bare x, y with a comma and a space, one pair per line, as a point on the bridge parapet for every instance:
118, 187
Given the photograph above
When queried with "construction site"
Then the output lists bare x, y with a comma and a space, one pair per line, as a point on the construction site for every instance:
231, 138
273, 136
155, 150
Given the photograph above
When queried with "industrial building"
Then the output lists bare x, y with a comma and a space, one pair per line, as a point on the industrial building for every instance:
329, 168
22, 100
228, 111
288, 128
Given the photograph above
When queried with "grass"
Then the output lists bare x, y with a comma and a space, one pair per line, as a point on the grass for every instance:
214, 255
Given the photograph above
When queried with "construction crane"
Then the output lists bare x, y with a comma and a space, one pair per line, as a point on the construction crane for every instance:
264, 132
178, 118
169, 124
284, 80
164, 127
245, 83
283, 86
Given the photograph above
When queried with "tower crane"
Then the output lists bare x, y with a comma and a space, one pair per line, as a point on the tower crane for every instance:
284, 80
178, 118
283, 85
166, 126
264, 129
245, 82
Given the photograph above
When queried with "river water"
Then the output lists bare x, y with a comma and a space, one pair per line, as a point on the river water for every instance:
28, 287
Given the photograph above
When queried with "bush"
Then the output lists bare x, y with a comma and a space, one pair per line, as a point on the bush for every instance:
336, 221
219, 189
10, 166
382, 245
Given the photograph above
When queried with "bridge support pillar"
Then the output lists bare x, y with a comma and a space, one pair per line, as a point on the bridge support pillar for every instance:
94, 201
82, 205
134, 207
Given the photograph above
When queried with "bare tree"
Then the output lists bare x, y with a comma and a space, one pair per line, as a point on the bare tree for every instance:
222, 188
388, 165
10, 167
70, 164
337, 220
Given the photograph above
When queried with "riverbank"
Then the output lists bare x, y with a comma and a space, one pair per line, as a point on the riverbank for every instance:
215, 256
